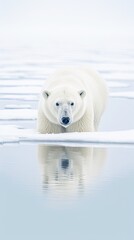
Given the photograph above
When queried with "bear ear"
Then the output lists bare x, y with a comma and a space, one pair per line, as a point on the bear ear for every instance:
45, 94
82, 93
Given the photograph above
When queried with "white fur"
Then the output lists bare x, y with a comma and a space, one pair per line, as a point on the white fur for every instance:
64, 87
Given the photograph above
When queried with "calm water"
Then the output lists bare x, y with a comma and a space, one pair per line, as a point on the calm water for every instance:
53, 192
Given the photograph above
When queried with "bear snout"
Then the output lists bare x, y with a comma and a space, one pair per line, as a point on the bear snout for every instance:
65, 117
65, 120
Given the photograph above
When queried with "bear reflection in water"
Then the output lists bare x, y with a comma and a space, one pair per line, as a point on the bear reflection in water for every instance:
67, 170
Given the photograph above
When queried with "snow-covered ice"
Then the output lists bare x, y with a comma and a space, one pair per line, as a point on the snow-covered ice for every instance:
18, 83
20, 90
19, 114
126, 94
119, 76
11, 106
36, 84
115, 84
11, 133
17, 97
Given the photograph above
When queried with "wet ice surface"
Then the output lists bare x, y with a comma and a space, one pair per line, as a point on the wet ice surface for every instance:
77, 186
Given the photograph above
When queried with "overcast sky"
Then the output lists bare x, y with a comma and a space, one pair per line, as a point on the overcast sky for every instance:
59, 18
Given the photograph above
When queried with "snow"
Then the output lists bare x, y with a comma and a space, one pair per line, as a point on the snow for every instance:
17, 97
114, 67
119, 76
14, 106
126, 94
14, 134
36, 84
24, 82
19, 114
20, 90
113, 84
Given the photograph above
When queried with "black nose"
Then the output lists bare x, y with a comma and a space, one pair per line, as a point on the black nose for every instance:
65, 120
64, 163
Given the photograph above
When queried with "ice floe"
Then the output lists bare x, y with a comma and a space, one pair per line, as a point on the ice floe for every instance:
14, 106
24, 82
114, 84
19, 114
17, 97
128, 94
20, 90
119, 76
14, 134
16, 84
114, 67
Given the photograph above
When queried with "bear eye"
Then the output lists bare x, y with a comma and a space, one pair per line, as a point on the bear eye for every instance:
72, 103
57, 104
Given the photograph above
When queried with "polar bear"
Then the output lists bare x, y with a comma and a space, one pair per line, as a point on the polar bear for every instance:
72, 100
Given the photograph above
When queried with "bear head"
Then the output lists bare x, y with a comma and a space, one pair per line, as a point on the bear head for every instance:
64, 105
